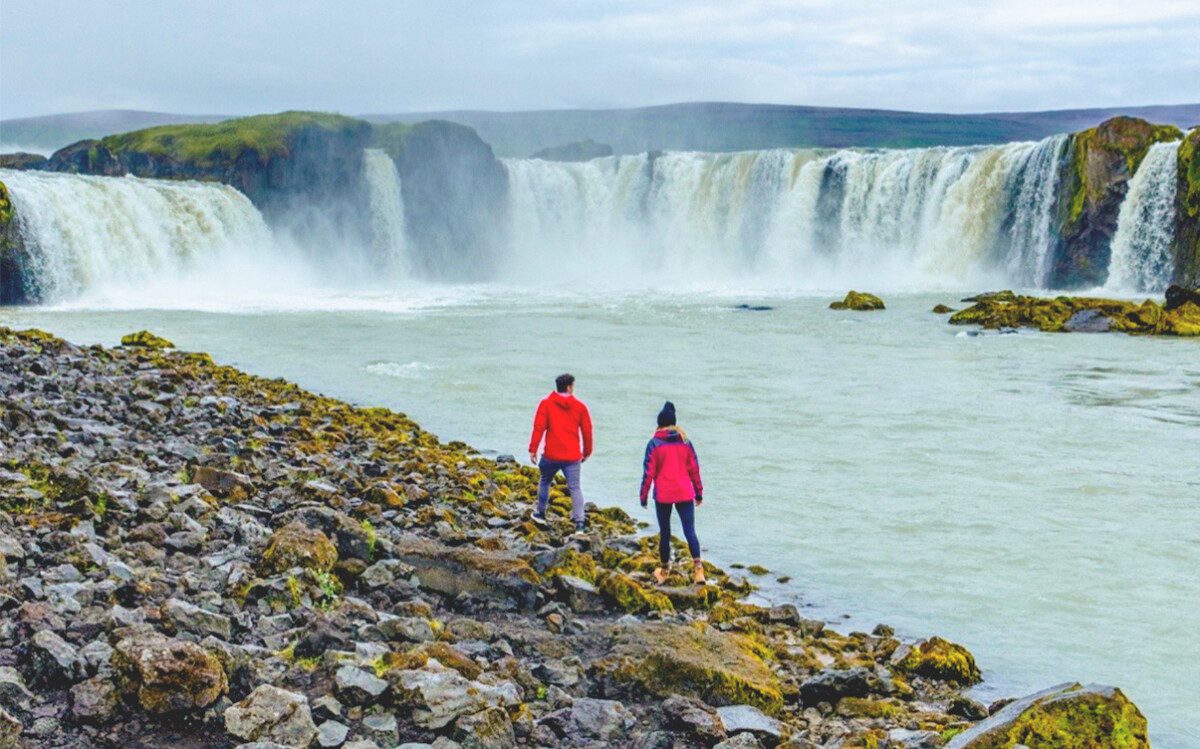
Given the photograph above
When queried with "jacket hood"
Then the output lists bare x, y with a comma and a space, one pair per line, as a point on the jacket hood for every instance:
562, 400
670, 434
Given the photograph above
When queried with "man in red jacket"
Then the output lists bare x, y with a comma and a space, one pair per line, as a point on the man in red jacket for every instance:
565, 423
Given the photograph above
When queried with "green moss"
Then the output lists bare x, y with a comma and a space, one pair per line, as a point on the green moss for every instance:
860, 301
1087, 720
268, 135
628, 595
717, 667
146, 339
295, 545
857, 707
575, 564
1126, 138
7, 212
372, 538
943, 660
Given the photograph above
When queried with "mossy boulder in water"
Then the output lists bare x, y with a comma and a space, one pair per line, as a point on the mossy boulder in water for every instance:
146, 339
295, 545
1100, 162
1069, 716
692, 660
939, 659
1081, 314
942, 309
859, 300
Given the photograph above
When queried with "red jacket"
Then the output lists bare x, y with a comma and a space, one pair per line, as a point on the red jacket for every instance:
563, 419
672, 466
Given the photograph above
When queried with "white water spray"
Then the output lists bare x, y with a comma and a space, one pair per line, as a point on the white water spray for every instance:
388, 229
1141, 249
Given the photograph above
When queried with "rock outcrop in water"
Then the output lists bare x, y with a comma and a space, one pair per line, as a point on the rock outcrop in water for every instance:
12, 253
1100, 162
22, 160
288, 164
860, 301
1186, 247
1067, 314
455, 196
195, 557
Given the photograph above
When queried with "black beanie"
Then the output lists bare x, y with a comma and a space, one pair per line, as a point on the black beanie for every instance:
666, 417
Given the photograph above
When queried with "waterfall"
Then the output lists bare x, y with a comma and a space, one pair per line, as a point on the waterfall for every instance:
84, 232
388, 231
793, 217
1141, 249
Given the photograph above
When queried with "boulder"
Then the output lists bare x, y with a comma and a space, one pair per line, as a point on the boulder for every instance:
580, 595
272, 714
437, 696
745, 740
332, 734
145, 339
10, 730
1068, 716
860, 301
182, 616
94, 701
939, 659
54, 660
605, 720
832, 684
220, 482
626, 594
165, 675
694, 717
295, 545
358, 687
693, 660
486, 729
747, 718
458, 571
1177, 296
941, 309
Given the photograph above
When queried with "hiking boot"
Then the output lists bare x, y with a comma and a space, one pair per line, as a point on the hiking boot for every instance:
698, 573
580, 528
539, 518
660, 575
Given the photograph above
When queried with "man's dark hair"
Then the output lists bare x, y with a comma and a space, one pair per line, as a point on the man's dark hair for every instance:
564, 381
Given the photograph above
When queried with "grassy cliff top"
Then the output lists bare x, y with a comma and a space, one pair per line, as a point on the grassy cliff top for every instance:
267, 134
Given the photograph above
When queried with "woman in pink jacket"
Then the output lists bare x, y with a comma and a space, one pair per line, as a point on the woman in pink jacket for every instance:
672, 467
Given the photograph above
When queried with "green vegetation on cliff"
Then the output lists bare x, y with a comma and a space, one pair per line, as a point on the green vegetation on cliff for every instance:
269, 135
1187, 212
1126, 137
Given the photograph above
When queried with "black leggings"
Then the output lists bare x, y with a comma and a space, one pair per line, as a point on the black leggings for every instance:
687, 516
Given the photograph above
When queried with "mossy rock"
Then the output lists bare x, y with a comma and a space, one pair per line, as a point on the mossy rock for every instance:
296, 545
860, 301
863, 707
470, 572
1069, 716
1061, 314
146, 339
165, 675
693, 660
939, 659
628, 595
942, 309
1186, 244
575, 564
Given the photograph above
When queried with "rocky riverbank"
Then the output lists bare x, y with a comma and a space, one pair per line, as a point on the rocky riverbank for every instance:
195, 557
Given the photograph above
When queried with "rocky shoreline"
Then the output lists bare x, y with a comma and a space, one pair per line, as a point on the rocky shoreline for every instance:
191, 556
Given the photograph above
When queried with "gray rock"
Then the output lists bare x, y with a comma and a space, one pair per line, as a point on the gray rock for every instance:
186, 617
55, 661
904, 738
592, 718
1088, 321
965, 707
486, 729
438, 696
332, 734
694, 717
406, 629
361, 744
745, 740
580, 595
740, 718
10, 730
381, 727
272, 714
12, 687
832, 685
384, 572
357, 687
94, 701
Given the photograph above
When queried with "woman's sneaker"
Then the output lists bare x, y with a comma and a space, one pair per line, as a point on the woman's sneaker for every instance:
539, 518
580, 528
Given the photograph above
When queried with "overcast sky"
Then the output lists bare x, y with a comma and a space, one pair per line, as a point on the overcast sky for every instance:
360, 56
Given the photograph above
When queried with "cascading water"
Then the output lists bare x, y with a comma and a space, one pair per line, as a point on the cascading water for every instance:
388, 230
1141, 249
947, 214
84, 232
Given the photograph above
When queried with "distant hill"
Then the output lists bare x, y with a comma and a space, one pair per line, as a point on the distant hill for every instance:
736, 127
51, 132
694, 126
